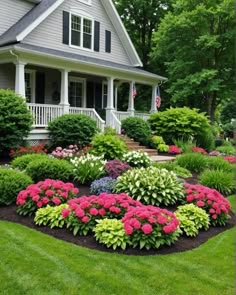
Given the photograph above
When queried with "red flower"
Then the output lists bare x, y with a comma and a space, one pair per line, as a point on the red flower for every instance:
56, 201
93, 211
85, 219
65, 213
147, 229
79, 212
39, 204
173, 149
45, 200
128, 229
200, 204
161, 219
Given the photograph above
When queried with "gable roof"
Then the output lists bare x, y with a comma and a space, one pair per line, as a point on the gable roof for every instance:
45, 7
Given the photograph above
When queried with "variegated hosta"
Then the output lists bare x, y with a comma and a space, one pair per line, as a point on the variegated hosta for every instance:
151, 186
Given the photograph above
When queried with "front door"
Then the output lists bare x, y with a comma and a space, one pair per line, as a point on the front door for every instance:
77, 95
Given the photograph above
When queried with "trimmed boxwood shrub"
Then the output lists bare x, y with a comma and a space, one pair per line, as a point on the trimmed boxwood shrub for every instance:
11, 183
138, 129
15, 120
22, 162
49, 168
72, 129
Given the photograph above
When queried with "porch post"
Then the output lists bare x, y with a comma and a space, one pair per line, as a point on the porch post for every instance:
64, 91
116, 95
154, 95
20, 78
110, 100
131, 99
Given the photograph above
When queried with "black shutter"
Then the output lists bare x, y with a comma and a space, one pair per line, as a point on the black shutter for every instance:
96, 36
66, 23
108, 41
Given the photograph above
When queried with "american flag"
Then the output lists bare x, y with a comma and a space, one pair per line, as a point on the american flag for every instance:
134, 91
158, 98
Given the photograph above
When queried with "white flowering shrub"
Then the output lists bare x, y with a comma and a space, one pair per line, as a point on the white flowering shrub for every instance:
137, 159
88, 168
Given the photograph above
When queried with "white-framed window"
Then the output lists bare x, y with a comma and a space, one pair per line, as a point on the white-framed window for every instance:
89, 2
30, 85
81, 31
77, 92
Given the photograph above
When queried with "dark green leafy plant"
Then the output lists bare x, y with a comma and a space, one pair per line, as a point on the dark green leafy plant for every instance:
15, 120
72, 129
22, 161
11, 183
138, 129
110, 146
49, 168
194, 162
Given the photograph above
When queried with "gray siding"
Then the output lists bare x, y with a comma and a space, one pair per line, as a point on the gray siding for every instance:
49, 32
11, 11
7, 76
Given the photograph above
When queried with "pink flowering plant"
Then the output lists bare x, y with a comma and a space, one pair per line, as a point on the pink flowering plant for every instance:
196, 149
230, 159
83, 212
48, 192
151, 227
215, 204
174, 150
70, 152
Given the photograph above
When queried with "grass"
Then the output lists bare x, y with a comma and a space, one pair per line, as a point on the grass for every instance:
37, 264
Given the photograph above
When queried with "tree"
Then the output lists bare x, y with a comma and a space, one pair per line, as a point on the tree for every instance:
196, 41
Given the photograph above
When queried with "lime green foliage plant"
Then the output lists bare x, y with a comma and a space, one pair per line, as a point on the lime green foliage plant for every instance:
111, 233
15, 120
194, 162
138, 129
223, 182
109, 146
228, 150
151, 186
72, 129
192, 218
159, 144
172, 166
11, 183
49, 168
137, 159
50, 216
163, 148
88, 168
22, 162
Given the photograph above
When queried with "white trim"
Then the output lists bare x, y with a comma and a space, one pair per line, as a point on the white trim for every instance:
32, 83
84, 90
38, 20
88, 2
103, 86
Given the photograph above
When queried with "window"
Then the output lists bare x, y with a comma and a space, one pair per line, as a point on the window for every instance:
77, 95
81, 32
30, 85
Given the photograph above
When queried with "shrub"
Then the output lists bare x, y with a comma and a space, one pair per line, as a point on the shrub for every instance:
220, 180
23, 161
159, 143
50, 216
218, 163
115, 168
196, 149
180, 123
103, 185
15, 120
184, 145
138, 129
88, 168
163, 148
21, 150
228, 150
48, 192
206, 139
210, 200
109, 146
49, 168
151, 186
194, 162
171, 166
137, 159
174, 150
192, 218
111, 233
150, 227
72, 129
83, 213
11, 183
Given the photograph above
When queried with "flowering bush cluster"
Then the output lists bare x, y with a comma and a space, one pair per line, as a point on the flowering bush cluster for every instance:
83, 212
150, 227
47, 192
115, 168
196, 149
88, 168
230, 159
214, 153
210, 200
137, 159
173, 149
21, 150
103, 185
71, 151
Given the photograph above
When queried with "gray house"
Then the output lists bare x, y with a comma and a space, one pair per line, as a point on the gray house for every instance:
69, 56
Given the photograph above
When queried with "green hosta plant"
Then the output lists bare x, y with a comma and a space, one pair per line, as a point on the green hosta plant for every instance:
111, 233
51, 216
137, 159
88, 168
192, 218
151, 186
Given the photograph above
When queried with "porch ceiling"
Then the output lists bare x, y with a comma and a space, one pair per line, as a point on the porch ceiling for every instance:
79, 63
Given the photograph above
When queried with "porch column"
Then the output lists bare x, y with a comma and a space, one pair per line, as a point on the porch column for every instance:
64, 91
110, 100
116, 95
131, 99
20, 78
154, 95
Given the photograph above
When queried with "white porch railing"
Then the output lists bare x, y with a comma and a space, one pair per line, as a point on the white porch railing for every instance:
44, 113
115, 122
91, 113
123, 115
144, 116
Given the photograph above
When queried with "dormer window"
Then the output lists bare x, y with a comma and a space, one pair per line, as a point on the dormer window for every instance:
81, 32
